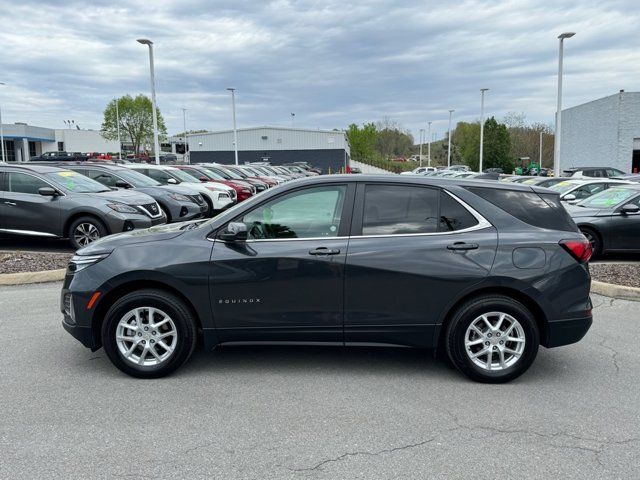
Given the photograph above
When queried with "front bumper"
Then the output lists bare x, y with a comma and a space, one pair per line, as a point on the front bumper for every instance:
118, 222
83, 334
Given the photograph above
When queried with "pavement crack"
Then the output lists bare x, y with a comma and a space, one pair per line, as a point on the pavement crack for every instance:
339, 458
614, 352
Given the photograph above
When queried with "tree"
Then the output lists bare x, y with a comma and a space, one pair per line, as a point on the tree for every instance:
392, 140
497, 145
362, 141
136, 120
525, 139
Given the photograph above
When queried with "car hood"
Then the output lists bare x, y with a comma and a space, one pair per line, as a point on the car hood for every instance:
130, 197
161, 190
153, 234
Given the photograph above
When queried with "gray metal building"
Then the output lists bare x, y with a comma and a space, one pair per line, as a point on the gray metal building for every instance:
604, 132
324, 149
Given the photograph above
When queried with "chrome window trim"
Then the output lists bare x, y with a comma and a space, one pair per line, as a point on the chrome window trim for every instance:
483, 223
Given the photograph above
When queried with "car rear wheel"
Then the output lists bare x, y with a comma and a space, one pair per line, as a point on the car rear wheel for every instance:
492, 339
149, 333
594, 240
85, 230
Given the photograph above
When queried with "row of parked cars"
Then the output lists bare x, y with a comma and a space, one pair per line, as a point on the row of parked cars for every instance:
85, 201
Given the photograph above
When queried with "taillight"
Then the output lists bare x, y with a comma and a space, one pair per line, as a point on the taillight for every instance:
581, 250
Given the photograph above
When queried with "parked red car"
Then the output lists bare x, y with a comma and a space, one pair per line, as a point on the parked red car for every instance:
243, 190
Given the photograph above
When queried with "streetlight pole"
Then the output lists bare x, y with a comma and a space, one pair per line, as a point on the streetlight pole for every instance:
235, 131
118, 128
429, 144
558, 132
449, 149
156, 142
4, 157
421, 142
482, 90
184, 126
540, 148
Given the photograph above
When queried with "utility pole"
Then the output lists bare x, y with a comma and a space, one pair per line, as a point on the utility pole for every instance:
156, 142
235, 131
421, 142
482, 90
118, 128
558, 132
429, 144
540, 153
184, 126
449, 149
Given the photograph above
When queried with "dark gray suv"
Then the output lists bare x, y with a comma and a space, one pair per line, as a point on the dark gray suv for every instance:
487, 272
53, 202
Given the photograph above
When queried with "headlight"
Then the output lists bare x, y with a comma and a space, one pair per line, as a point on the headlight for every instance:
122, 208
80, 262
212, 188
178, 197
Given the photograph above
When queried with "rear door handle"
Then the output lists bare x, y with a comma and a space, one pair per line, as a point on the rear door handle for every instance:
11, 203
462, 246
324, 251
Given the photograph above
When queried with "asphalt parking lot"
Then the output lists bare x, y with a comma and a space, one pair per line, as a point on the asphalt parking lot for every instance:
313, 413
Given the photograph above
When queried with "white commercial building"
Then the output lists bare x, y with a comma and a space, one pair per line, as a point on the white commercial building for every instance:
604, 132
325, 149
23, 141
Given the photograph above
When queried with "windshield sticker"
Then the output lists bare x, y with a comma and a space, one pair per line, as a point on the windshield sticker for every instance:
67, 174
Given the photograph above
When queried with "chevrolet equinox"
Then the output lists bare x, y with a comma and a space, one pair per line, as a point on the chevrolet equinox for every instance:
486, 272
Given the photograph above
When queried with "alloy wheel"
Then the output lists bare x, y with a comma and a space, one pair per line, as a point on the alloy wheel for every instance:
494, 341
146, 336
86, 233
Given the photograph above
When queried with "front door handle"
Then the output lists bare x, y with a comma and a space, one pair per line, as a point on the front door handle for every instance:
13, 204
462, 246
324, 251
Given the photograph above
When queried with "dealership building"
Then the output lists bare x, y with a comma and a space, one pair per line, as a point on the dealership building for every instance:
22, 141
324, 149
604, 132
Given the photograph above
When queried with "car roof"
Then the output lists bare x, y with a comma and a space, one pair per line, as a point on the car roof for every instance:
418, 180
150, 166
31, 168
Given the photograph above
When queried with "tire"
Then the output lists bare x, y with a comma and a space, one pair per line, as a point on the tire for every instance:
85, 230
180, 343
480, 369
210, 212
595, 240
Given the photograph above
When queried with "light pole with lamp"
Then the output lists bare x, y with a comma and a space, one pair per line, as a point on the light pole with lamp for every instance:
235, 131
558, 132
156, 142
482, 90
184, 126
449, 148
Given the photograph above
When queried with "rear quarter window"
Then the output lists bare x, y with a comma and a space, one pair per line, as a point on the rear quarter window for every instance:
543, 210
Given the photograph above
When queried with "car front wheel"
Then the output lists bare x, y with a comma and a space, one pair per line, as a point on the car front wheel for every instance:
85, 230
149, 333
492, 339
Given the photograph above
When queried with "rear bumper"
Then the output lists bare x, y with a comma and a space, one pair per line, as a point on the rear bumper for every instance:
566, 332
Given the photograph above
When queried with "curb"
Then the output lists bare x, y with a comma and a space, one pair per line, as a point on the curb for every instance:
615, 291
26, 278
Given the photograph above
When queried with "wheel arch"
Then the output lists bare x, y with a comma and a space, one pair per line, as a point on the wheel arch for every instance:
533, 306
73, 217
112, 295
597, 231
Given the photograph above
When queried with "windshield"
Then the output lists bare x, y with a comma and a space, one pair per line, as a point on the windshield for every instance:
563, 186
183, 176
217, 173
136, 179
232, 173
609, 198
75, 182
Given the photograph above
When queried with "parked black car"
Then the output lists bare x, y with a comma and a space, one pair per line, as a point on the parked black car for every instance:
486, 271
52, 202
59, 157
610, 219
177, 203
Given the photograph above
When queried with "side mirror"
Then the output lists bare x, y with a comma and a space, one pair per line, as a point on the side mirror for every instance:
122, 184
235, 232
569, 198
172, 181
47, 192
629, 208
203, 179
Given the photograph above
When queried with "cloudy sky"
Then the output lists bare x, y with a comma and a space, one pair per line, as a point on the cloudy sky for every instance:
330, 62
